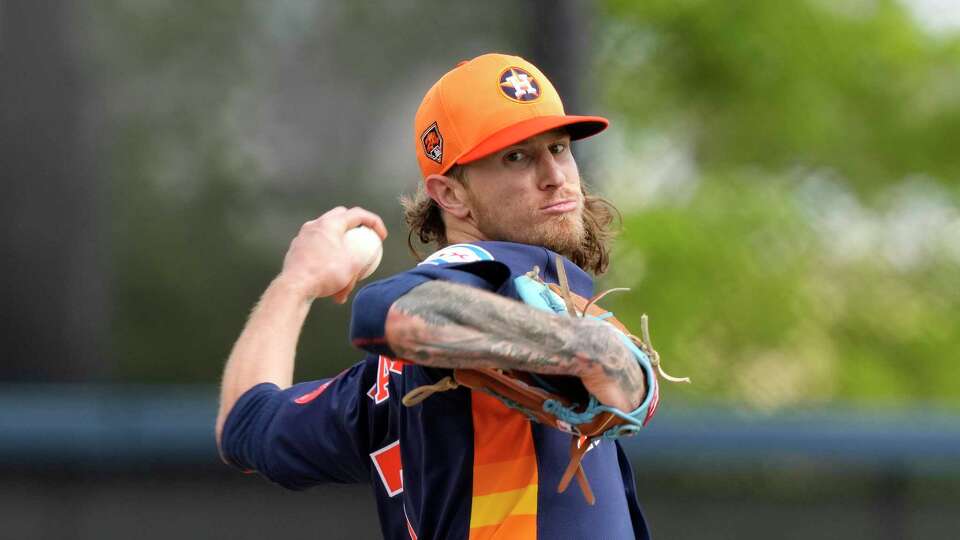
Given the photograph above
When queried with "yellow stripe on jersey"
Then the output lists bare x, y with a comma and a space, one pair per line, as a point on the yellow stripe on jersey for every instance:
512, 528
493, 509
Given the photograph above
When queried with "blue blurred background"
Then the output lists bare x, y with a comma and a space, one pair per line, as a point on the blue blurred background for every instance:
789, 178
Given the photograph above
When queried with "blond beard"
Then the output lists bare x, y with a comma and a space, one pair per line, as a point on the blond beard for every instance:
564, 235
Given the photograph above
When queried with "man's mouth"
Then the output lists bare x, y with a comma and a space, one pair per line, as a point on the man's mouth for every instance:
561, 207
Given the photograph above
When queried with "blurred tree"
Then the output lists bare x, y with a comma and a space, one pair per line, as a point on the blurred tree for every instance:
854, 86
802, 249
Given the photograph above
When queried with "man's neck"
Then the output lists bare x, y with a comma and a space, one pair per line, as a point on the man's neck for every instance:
462, 232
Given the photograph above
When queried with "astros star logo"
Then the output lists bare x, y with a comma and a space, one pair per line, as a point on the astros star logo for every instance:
518, 85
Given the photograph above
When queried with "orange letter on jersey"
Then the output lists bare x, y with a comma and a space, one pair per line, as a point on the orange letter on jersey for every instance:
389, 467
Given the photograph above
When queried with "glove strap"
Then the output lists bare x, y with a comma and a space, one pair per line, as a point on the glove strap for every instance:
578, 448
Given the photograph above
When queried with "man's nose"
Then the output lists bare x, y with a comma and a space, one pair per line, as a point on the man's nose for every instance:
550, 173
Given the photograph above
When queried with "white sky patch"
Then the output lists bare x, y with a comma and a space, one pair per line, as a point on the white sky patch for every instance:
937, 16
640, 170
848, 230
920, 225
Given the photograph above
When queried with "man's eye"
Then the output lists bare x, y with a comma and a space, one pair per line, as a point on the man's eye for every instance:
558, 148
514, 156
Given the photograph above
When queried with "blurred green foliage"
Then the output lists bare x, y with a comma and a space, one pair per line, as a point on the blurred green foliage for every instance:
814, 252
856, 86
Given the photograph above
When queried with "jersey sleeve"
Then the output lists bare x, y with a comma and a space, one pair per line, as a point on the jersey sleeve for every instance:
371, 304
311, 433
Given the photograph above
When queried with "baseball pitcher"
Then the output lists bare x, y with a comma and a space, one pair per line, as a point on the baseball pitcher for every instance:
494, 389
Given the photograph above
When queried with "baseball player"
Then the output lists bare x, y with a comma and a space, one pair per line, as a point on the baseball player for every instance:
500, 195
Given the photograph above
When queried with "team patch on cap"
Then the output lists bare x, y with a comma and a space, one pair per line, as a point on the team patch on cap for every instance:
432, 143
519, 85
458, 254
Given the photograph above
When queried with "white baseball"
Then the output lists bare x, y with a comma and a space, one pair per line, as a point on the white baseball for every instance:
365, 248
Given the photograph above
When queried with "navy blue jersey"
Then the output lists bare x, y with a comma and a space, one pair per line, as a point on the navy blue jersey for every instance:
458, 465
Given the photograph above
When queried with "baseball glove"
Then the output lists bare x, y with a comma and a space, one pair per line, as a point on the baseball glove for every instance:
563, 402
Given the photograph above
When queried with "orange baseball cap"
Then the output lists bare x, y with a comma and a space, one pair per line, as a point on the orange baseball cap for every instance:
485, 105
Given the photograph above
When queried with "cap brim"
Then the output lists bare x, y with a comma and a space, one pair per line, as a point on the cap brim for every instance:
579, 127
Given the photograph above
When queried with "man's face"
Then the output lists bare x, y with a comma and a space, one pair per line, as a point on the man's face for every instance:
529, 193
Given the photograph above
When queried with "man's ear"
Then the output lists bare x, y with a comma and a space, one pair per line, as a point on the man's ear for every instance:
449, 193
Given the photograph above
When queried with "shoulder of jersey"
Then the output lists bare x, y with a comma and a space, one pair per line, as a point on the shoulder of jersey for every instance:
458, 254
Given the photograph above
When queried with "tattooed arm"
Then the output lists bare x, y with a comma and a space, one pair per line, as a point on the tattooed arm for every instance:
432, 326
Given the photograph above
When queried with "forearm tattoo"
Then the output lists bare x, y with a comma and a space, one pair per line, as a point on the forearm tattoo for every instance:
448, 325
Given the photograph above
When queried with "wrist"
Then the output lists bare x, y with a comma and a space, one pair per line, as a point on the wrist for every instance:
597, 348
597, 339
287, 285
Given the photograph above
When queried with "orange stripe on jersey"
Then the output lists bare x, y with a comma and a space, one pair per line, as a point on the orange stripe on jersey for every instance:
505, 477
499, 432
